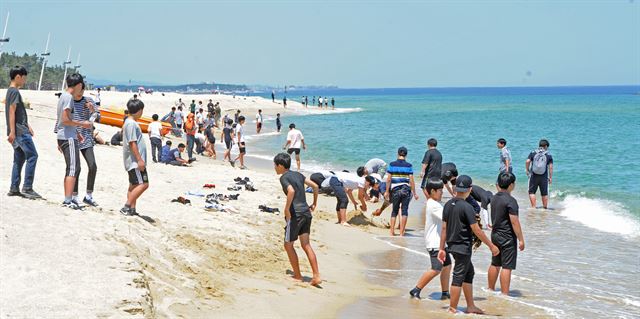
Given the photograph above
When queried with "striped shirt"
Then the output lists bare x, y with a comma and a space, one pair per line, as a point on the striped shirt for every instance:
400, 172
81, 113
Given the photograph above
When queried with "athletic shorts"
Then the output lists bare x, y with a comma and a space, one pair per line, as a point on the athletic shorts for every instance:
463, 270
259, 125
508, 251
541, 181
299, 225
243, 149
341, 194
228, 144
293, 150
435, 263
136, 177
71, 154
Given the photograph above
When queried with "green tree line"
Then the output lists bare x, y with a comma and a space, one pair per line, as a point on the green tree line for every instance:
51, 80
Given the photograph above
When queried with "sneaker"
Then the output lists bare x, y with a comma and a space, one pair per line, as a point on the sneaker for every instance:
72, 204
90, 201
30, 194
14, 192
126, 211
133, 212
415, 293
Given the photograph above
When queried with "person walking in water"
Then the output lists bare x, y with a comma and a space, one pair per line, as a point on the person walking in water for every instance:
273, 96
539, 168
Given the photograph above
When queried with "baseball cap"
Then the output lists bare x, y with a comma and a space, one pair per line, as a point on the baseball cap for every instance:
463, 183
402, 151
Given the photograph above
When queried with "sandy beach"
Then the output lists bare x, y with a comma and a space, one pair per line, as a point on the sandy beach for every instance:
180, 261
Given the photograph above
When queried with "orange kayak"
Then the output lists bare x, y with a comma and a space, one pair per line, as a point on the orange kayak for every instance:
116, 118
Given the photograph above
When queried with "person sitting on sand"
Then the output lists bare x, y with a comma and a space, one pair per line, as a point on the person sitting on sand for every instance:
174, 156
433, 230
373, 166
400, 188
505, 233
458, 227
297, 215
164, 153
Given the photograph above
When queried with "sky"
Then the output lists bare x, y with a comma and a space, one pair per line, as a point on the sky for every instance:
350, 43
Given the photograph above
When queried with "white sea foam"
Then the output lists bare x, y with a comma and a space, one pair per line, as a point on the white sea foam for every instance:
600, 214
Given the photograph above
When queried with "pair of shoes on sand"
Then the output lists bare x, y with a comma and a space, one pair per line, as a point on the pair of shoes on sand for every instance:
181, 200
264, 208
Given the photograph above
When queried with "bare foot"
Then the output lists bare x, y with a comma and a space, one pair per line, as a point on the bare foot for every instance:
296, 279
475, 310
452, 310
345, 224
315, 281
393, 234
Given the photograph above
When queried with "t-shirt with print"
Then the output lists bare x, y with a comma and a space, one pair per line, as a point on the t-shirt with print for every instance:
81, 113
132, 133
459, 216
299, 204
295, 136
433, 159
65, 132
502, 206
22, 122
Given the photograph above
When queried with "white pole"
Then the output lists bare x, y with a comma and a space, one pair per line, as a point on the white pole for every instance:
4, 33
66, 62
77, 66
44, 61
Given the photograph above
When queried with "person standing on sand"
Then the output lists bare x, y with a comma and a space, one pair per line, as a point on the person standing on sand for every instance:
68, 137
179, 119
539, 168
273, 96
84, 110
333, 104
218, 113
155, 137
400, 188
306, 101
326, 103
320, 101
505, 156
226, 137
210, 107
431, 164
192, 106
180, 104
190, 128
295, 140
458, 227
284, 102
20, 136
297, 215
433, 230
236, 117
505, 233
241, 142
134, 153
259, 121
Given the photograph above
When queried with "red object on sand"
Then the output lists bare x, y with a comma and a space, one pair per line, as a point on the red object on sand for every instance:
209, 186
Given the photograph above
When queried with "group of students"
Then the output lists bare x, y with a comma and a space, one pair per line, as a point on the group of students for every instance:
452, 231
321, 101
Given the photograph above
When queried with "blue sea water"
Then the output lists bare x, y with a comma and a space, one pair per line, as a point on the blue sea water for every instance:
581, 259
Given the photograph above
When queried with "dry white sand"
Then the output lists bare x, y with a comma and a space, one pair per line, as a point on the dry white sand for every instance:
59, 263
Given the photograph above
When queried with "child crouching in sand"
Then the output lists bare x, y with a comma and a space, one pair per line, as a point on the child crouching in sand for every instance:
134, 151
297, 214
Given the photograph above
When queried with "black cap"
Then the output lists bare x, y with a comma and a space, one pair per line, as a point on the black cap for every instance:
463, 183
402, 151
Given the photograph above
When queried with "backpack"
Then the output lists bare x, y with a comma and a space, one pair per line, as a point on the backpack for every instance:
539, 165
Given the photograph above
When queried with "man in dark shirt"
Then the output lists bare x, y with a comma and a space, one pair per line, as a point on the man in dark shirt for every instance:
431, 164
506, 230
458, 226
449, 173
539, 168
20, 136
484, 198
297, 214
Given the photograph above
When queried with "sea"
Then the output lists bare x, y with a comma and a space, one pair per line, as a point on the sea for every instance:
582, 256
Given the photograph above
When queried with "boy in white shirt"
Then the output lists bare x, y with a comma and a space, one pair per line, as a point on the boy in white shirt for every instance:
155, 137
433, 230
241, 143
295, 141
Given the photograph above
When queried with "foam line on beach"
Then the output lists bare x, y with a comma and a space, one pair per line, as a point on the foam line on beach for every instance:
379, 238
600, 214
558, 313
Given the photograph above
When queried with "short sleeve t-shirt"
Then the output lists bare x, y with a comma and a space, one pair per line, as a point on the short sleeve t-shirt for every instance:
505, 155
459, 216
400, 172
227, 134
259, 118
299, 204
154, 129
295, 137
448, 167
22, 122
65, 132
433, 159
433, 224
549, 160
481, 195
240, 131
178, 117
374, 165
502, 206
132, 133
350, 180
81, 113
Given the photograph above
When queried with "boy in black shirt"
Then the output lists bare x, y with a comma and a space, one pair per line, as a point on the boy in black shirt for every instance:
297, 214
506, 230
458, 226
431, 164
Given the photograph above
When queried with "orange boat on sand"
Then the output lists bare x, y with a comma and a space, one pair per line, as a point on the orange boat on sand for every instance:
116, 118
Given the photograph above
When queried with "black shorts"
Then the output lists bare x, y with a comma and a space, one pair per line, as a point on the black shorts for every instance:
435, 263
136, 177
259, 125
243, 149
293, 150
228, 144
463, 270
400, 199
541, 181
71, 152
299, 225
508, 251
341, 194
